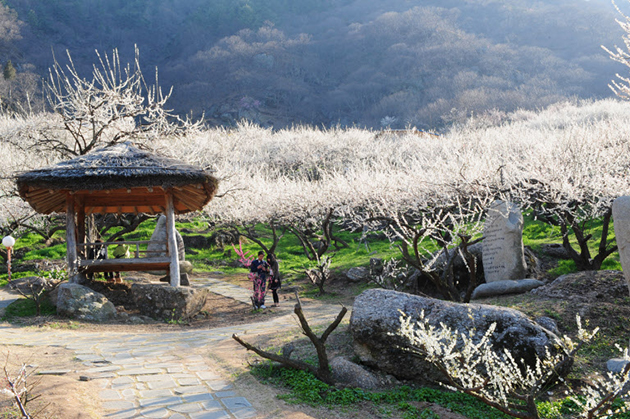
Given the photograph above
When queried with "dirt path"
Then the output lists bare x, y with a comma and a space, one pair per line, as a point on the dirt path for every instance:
172, 374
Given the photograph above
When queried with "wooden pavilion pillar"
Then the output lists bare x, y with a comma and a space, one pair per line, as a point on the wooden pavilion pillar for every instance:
71, 240
80, 209
172, 240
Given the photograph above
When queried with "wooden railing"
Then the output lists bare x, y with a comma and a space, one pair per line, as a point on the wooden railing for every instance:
140, 261
83, 249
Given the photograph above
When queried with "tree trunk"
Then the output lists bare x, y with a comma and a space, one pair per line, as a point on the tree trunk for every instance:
322, 372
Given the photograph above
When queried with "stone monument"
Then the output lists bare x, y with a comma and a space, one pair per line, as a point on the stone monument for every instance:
621, 218
159, 234
503, 252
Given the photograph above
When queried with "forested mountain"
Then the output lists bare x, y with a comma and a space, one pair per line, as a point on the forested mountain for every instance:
327, 62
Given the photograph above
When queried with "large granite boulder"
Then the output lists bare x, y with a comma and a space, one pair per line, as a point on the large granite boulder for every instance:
168, 303
376, 318
79, 302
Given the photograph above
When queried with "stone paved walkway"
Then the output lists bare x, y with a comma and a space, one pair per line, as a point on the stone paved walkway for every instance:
6, 298
148, 375
224, 288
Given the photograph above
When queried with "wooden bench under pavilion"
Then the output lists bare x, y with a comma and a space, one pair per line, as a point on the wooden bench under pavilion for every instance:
140, 261
118, 179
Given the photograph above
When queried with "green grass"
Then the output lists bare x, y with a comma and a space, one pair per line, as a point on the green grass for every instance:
38, 249
26, 308
304, 388
57, 251
15, 275
292, 256
291, 253
536, 233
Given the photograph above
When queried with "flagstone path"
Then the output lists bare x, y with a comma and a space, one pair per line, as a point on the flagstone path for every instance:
158, 375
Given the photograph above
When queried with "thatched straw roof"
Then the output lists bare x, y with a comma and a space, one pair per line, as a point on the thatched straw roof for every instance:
118, 179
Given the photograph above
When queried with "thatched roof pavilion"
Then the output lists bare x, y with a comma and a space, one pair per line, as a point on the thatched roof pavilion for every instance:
117, 179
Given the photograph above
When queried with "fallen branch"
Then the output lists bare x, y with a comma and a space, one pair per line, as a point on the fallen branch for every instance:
323, 371
16, 392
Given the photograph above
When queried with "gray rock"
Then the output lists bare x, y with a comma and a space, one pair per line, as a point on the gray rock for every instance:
555, 250
79, 302
503, 251
121, 315
458, 264
349, 374
197, 241
460, 268
376, 315
185, 268
168, 303
616, 365
52, 296
357, 274
506, 287
136, 320
548, 323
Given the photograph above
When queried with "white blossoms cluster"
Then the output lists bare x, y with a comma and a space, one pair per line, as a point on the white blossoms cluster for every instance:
473, 366
601, 391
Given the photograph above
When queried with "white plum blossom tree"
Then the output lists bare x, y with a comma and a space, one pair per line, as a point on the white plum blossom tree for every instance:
115, 104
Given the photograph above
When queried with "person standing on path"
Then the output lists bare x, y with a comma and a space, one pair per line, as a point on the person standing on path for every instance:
274, 278
260, 269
